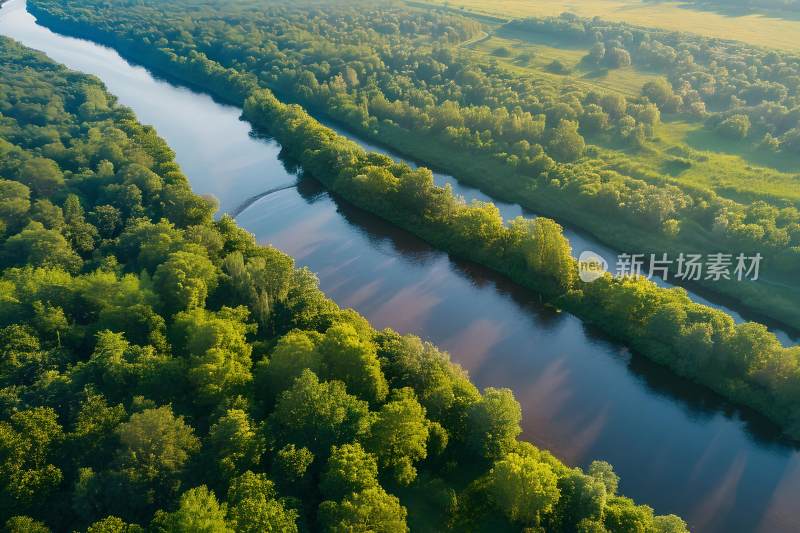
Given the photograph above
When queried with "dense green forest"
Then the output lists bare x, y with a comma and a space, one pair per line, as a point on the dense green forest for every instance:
398, 76
743, 362
162, 371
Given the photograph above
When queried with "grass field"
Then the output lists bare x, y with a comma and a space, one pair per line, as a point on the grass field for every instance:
757, 29
627, 81
685, 152
735, 169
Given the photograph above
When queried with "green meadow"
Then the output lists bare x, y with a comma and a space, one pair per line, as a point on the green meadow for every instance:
770, 29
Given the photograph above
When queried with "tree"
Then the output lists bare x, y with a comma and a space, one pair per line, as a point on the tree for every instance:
25, 524
582, 498
604, 472
198, 512
735, 127
93, 435
494, 423
399, 435
28, 476
38, 246
107, 219
622, 514
557, 67
21, 354
155, 446
369, 510
14, 202
253, 507
545, 252
291, 467
597, 53
113, 524
669, 524
353, 360
659, 91
184, 281
618, 57
42, 175
143, 178
594, 119
217, 348
49, 215
614, 104
234, 444
318, 415
566, 144
295, 352
523, 488
350, 469
80, 234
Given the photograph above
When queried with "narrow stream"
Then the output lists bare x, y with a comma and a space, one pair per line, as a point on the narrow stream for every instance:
676, 446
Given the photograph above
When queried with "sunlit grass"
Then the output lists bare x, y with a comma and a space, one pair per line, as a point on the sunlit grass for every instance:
757, 29
627, 81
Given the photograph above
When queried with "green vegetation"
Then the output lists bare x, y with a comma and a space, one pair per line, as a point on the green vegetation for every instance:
625, 174
160, 369
768, 23
532, 57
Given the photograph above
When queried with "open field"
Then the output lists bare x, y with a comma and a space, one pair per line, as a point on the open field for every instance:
684, 152
627, 81
734, 169
757, 29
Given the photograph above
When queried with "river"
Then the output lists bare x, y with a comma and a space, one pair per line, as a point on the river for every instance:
677, 447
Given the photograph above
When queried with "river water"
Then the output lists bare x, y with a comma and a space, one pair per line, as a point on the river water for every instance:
676, 446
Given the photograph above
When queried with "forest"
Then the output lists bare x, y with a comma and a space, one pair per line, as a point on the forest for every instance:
163, 372
398, 76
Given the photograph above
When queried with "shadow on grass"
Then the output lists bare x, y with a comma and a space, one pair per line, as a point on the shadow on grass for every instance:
725, 8
546, 39
705, 140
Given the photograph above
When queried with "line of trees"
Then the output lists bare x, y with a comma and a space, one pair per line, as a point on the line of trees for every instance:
161, 371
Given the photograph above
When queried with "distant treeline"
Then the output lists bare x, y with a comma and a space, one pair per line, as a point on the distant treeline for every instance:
780, 5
